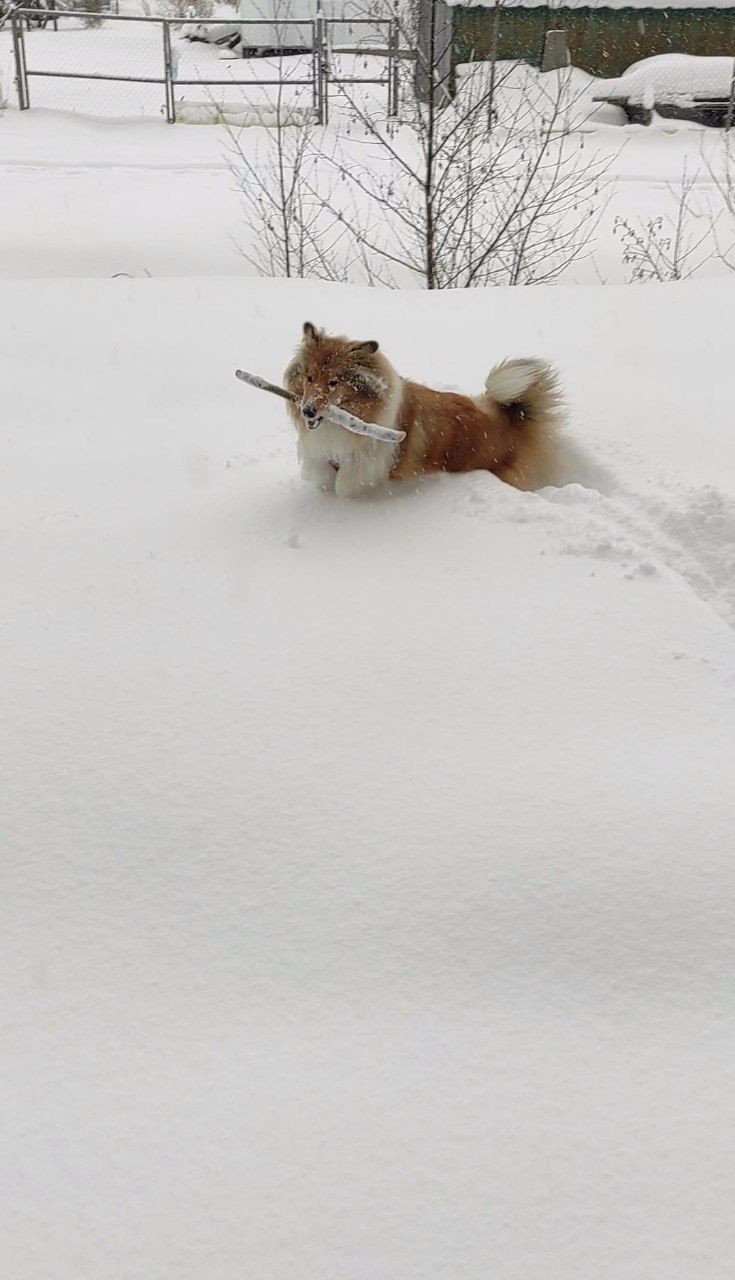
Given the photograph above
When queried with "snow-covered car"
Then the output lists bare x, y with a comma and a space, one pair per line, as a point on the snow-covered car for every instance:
678, 85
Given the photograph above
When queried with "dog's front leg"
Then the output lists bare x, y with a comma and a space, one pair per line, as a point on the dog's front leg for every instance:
318, 472
350, 482
364, 472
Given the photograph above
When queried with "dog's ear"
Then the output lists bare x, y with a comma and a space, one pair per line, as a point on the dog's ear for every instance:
366, 348
310, 333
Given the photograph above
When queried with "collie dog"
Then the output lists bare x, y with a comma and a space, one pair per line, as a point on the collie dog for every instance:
509, 429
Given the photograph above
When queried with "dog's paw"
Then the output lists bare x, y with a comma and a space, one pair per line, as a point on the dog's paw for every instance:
348, 486
320, 474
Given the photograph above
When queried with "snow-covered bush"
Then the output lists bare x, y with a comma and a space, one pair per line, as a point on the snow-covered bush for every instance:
93, 13
677, 244
290, 229
722, 172
490, 189
178, 9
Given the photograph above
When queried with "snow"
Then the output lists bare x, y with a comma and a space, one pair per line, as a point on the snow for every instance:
365, 899
672, 77
90, 197
368, 867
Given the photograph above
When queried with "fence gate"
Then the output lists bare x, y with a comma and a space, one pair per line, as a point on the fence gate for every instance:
127, 65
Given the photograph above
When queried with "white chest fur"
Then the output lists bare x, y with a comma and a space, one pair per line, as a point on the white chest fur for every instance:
335, 459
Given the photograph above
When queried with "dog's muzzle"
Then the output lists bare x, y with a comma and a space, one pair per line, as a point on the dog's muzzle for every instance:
311, 417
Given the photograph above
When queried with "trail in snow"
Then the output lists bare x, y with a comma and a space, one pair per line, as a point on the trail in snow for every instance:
689, 532
685, 530
653, 526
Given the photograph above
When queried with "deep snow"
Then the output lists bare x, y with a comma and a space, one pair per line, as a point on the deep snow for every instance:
366, 898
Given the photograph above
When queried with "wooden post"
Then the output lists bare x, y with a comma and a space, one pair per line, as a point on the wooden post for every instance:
555, 56
434, 72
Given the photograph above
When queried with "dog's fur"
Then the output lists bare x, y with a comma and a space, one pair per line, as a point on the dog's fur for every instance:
509, 429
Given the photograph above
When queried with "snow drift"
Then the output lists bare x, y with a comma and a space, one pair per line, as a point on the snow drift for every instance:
367, 867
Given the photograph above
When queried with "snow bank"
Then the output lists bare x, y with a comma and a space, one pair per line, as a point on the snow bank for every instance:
88, 197
671, 77
365, 898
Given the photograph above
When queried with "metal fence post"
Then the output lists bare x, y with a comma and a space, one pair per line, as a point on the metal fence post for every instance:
393, 39
323, 68
168, 73
730, 117
315, 95
493, 64
19, 53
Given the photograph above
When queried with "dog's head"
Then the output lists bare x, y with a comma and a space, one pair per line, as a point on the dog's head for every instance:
335, 371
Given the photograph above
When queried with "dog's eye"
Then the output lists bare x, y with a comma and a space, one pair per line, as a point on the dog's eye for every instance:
309, 378
333, 382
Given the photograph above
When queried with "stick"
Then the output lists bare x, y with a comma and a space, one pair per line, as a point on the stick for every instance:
339, 417
262, 385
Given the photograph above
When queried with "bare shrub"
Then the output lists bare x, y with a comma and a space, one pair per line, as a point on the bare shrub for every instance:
722, 175
292, 227
486, 187
93, 14
670, 247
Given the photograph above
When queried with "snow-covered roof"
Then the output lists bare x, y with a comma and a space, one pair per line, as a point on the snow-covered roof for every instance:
599, 4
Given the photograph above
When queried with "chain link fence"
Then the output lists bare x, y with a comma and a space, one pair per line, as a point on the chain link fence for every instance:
124, 65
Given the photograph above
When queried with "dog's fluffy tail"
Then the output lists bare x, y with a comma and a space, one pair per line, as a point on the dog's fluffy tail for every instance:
529, 391
531, 384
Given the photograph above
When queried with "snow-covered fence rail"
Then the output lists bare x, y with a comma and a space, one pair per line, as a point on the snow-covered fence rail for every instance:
157, 54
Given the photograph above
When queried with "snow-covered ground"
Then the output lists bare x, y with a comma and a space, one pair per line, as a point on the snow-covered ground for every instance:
367, 880
91, 197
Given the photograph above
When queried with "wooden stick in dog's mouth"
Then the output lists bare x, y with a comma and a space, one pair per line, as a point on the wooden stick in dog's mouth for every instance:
339, 417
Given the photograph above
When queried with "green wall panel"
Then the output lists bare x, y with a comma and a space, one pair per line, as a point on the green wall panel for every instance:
602, 41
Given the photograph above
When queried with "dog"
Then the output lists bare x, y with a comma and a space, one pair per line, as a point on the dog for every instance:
509, 429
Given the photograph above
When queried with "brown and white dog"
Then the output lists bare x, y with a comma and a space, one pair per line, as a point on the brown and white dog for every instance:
509, 429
